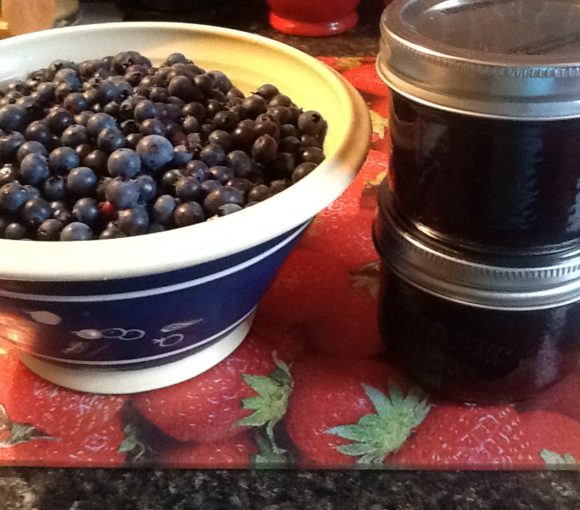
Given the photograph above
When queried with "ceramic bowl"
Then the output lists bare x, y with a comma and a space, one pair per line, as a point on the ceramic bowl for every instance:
132, 314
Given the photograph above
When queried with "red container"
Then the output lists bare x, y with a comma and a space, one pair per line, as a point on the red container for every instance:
315, 18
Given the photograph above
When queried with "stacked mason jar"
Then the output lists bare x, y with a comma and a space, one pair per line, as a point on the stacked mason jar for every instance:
479, 223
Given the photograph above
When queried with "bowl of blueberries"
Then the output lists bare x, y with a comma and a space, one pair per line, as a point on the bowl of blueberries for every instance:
153, 178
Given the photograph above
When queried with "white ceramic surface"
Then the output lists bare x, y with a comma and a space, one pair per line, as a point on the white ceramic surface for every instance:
249, 61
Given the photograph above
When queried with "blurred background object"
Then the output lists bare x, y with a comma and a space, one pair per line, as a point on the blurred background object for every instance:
314, 18
21, 17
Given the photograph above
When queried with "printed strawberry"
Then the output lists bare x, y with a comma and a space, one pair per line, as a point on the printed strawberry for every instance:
44, 423
561, 398
342, 411
344, 229
208, 408
380, 105
232, 453
349, 326
286, 340
366, 80
305, 281
342, 64
553, 440
462, 437
381, 140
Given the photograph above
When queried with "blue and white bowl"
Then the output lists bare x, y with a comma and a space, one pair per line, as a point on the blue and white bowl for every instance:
133, 314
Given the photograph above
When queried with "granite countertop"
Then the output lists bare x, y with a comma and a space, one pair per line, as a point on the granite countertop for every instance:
87, 489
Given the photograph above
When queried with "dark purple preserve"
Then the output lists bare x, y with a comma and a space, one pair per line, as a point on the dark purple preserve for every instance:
479, 225
471, 328
485, 120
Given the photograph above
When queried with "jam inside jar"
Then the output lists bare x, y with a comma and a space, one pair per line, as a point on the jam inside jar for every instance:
476, 354
492, 185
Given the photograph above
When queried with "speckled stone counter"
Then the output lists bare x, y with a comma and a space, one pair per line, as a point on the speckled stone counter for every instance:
99, 489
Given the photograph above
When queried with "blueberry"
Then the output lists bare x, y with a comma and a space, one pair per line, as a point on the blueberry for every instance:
97, 161
35, 211
58, 119
159, 94
313, 155
38, 131
76, 231
226, 120
31, 147
188, 188
54, 188
177, 58
280, 100
49, 230
221, 196
310, 141
267, 91
210, 185
212, 154
99, 121
61, 212
278, 185
226, 209
311, 123
259, 193
302, 170
15, 231
34, 169
155, 152
63, 159
106, 92
129, 127
122, 194
191, 124
243, 136
188, 213
86, 210
132, 139
9, 144
75, 103
163, 208
289, 130
152, 127
221, 138
147, 188
33, 191
110, 139
282, 166
196, 168
220, 80
255, 105
145, 109
45, 92
8, 173
68, 76
221, 173
133, 221
81, 181
264, 149
124, 163
240, 183
182, 87
289, 144
267, 127
75, 135
181, 156
194, 109
13, 118
13, 196
169, 180
112, 231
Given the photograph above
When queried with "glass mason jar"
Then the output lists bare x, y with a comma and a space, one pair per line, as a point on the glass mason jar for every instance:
479, 223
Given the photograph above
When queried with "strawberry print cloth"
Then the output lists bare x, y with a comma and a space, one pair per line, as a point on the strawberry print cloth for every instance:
310, 387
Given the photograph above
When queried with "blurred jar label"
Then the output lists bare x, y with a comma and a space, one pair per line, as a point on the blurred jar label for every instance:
20, 17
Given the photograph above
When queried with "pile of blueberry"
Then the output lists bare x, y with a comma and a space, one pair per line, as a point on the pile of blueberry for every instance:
116, 147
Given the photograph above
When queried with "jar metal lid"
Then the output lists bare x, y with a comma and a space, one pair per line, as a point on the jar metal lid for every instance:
515, 59
507, 282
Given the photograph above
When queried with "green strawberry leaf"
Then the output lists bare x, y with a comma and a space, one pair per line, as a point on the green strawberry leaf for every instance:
19, 432
551, 458
269, 456
367, 277
377, 435
133, 444
271, 400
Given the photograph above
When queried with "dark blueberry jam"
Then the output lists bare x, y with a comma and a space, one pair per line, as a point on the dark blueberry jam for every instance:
476, 354
489, 184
